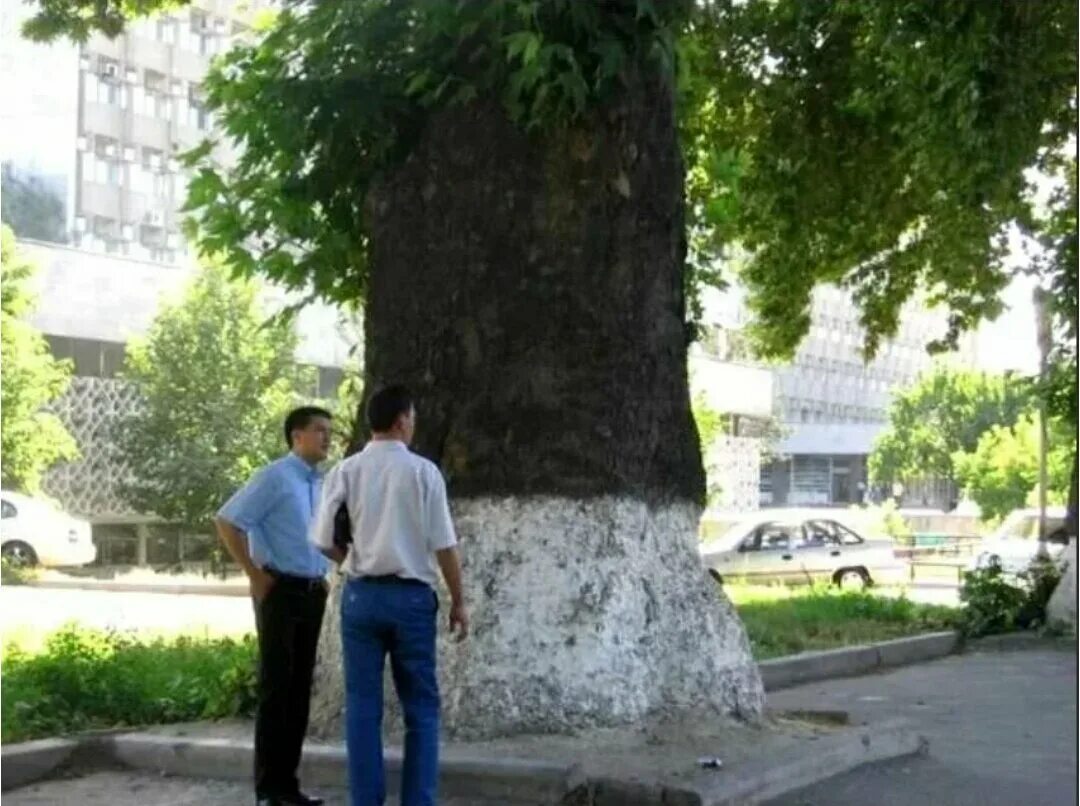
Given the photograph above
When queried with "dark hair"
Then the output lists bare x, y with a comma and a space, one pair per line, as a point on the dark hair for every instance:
386, 405
301, 418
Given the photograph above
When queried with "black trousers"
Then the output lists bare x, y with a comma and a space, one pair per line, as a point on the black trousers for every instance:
288, 620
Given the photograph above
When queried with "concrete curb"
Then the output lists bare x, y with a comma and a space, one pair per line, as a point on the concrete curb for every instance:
834, 755
809, 667
141, 587
26, 762
326, 765
501, 779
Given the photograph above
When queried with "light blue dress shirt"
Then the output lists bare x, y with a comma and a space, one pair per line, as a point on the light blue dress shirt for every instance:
275, 509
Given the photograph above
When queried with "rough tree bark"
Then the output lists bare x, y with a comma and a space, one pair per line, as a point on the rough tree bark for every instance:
530, 289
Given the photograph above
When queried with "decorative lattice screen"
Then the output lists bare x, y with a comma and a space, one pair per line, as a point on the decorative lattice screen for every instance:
89, 487
734, 463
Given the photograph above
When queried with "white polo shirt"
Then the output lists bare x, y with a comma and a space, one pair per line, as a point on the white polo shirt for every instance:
398, 510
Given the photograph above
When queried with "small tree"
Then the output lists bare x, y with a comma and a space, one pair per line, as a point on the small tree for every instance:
945, 412
216, 379
32, 439
1002, 473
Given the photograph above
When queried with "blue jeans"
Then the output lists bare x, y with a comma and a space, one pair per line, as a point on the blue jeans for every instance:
399, 619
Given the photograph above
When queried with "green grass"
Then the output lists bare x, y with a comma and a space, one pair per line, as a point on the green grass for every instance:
785, 621
81, 679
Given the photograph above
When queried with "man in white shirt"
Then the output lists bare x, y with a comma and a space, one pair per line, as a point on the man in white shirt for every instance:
401, 528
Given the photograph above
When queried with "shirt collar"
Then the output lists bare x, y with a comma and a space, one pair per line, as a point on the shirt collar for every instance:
301, 465
385, 445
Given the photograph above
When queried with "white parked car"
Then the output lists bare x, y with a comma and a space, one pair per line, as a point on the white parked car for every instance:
1015, 544
36, 532
800, 550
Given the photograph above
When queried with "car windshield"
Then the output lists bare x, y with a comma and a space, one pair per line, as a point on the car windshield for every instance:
731, 537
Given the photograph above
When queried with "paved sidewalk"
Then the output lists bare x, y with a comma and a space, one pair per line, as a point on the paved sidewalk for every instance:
111, 788
1001, 725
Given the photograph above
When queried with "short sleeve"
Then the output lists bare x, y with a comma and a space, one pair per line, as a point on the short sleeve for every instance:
250, 505
321, 533
440, 528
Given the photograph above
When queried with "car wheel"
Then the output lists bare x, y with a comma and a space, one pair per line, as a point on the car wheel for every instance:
18, 553
853, 579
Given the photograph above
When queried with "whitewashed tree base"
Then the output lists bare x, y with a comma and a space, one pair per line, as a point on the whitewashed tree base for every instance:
1063, 602
584, 613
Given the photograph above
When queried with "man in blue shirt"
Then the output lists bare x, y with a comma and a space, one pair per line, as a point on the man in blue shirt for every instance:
264, 527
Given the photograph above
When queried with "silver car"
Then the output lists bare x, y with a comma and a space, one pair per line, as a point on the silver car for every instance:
800, 551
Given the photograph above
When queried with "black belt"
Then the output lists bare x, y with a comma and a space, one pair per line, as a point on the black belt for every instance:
392, 579
301, 583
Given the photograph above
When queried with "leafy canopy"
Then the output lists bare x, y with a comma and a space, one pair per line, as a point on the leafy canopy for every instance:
215, 381
31, 439
877, 144
881, 146
945, 412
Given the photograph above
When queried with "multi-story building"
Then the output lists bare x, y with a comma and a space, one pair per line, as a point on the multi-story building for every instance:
834, 404
829, 404
90, 140
99, 127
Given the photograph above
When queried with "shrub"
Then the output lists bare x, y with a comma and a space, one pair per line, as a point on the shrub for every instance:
12, 573
85, 679
999, 603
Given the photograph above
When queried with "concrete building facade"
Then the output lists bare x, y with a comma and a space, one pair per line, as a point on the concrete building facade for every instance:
99, 127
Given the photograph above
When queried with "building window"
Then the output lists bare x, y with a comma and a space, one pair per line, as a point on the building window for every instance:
198, 117
201, 39
92, 358
152, 98
165, 30
103, 90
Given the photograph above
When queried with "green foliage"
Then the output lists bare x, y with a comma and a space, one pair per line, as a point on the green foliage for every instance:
882, 147
944, 412
335, 94
711, 425
879, 145
12, 573
78, 19
1002, 473
996, 603
216, 380
884, 519
31, 440
31, 209
1056, 268
86, 679
345, 409
780, 622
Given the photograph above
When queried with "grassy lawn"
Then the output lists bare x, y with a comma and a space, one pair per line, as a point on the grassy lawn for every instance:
80, 679
784, 621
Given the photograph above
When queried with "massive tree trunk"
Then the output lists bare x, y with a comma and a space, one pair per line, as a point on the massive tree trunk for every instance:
530, 290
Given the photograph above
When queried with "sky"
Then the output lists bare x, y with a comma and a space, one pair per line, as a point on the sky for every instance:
1010, 342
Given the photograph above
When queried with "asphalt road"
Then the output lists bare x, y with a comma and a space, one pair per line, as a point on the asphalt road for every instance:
1002, 728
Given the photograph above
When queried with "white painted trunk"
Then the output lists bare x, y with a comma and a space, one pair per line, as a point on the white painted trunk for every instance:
584, 613
1062, 605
